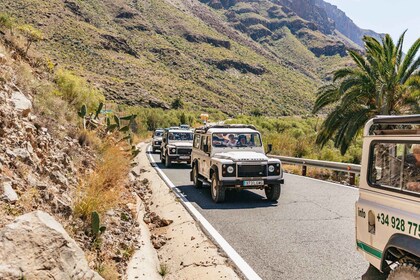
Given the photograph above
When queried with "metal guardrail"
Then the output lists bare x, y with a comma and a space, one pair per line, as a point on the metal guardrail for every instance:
352, 169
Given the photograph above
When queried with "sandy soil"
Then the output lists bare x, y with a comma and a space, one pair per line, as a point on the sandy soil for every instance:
188, 253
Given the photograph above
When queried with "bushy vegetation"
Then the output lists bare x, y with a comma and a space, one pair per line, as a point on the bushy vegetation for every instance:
101, 190
295, 137
76, 90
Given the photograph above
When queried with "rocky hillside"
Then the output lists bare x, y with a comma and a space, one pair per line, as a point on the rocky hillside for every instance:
233, 56
344, 24
48, 165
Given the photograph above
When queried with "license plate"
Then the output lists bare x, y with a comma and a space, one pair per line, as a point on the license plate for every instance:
253, 183
184, 157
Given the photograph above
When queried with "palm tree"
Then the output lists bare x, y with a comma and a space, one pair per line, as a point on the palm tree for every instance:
383, 82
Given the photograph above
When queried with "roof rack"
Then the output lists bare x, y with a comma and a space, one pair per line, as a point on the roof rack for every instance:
391, 120
204, 129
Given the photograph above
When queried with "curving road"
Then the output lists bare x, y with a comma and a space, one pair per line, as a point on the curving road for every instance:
308, 234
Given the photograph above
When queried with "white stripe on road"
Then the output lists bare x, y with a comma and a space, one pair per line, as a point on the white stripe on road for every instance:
246, 270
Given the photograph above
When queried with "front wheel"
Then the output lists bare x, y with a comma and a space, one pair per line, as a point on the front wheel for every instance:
405, 271
168, 162
217, 191
272, 192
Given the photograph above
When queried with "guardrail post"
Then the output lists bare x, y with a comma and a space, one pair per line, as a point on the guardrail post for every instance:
303, 170
352, 179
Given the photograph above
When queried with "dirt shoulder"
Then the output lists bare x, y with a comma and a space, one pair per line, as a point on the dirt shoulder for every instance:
183, 251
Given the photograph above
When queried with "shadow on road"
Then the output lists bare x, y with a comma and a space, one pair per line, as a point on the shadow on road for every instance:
373, 274
243, 199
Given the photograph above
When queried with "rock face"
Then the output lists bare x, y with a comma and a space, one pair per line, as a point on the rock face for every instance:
35, 246
344, 24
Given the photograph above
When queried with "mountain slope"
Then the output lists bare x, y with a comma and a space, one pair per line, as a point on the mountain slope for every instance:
235, 58
345, 25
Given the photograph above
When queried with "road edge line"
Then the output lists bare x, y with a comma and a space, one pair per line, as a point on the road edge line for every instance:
240, 263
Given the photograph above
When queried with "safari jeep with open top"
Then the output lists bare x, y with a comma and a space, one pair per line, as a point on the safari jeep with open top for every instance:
388, 208
176, 146
232, 157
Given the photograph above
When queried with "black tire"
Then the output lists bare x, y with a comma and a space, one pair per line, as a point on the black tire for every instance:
217, 191
406, 271
197, 183
272, 192
168, 162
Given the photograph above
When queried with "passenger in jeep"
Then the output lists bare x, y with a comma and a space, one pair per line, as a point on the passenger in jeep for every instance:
413, 169
231, 142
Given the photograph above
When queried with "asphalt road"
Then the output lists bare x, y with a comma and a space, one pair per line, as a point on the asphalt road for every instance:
308, 234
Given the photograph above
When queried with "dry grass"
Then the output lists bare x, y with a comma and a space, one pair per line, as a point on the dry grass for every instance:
108, 270
103, 188
89, 138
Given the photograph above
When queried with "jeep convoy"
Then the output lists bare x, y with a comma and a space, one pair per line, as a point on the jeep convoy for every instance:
176, 146
388, 208
232, 157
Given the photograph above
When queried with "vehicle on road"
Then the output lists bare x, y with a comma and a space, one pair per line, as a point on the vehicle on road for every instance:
232, 157
157, 139
176, 146
388, 208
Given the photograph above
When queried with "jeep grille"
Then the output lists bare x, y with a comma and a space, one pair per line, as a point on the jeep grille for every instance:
252, 170
183, 151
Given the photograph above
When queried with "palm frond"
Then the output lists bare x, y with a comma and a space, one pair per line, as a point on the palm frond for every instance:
326, 95
404, 72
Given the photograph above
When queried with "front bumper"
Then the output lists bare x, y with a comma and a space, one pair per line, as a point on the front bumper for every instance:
236, 182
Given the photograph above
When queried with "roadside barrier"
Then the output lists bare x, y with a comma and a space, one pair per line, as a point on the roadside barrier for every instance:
352, 169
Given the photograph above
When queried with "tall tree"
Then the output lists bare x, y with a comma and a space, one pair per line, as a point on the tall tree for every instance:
384, 81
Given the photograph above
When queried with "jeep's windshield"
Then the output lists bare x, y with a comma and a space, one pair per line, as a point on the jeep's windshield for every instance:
158, 133
222, 140
180, 136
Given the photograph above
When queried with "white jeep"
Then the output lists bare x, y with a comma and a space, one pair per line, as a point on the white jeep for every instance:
232, 157
176, 146
157, 139
388, 208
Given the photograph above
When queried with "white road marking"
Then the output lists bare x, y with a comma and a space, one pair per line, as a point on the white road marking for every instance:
246, 270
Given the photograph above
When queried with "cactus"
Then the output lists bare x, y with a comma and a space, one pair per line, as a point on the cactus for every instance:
98, 111
97, 229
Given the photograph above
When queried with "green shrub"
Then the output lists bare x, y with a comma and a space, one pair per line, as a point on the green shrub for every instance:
77, 91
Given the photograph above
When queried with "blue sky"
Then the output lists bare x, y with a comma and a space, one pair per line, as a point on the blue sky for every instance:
385, 16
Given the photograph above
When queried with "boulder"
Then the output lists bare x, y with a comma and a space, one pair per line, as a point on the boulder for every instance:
22, 103
38, 246
9, 193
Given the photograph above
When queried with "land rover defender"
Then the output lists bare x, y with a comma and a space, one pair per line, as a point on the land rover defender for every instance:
157, 139
388, 208
232, 157
176, 146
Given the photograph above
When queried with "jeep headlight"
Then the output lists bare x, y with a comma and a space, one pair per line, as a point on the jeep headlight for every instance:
274, 169
228, 170
173, 150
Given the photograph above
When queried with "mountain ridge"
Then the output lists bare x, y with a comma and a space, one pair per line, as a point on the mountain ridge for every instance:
148, 53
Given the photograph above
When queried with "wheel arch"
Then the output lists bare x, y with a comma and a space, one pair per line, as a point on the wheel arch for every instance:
214, 169
400, 242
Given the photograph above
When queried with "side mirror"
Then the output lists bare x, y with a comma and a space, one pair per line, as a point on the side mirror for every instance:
270, 148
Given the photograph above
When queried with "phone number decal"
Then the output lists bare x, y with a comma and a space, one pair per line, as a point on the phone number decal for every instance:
399, 224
